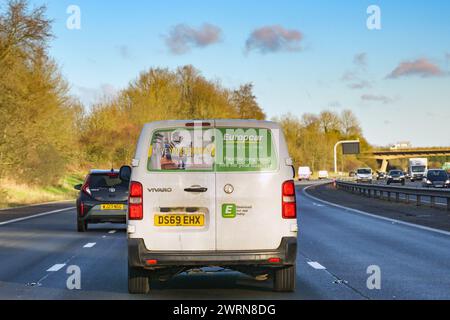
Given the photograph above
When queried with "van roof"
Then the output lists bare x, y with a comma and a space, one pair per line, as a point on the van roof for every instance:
219, 122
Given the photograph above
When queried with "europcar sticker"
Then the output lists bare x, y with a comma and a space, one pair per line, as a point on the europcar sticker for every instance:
249, 149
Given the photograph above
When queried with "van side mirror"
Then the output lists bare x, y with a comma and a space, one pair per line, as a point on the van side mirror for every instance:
293, 172
78, 187
125, 173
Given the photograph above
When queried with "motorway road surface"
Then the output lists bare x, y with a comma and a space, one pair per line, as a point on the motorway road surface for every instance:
336, 247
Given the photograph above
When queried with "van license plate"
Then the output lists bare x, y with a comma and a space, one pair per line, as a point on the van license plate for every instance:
112, 206
179, 220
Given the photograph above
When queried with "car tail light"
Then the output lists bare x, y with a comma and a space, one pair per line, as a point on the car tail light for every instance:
274, 260
152, 262
82, 209
289, 205
135, 201
85, 188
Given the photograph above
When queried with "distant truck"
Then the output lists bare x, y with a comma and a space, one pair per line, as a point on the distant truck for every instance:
417, 168
446, 167
304, 173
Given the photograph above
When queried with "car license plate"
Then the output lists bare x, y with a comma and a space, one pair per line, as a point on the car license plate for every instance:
112, 206
179, 220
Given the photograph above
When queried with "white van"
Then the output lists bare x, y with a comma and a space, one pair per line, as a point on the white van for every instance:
304, 173
323, 174
364, 175
211, 193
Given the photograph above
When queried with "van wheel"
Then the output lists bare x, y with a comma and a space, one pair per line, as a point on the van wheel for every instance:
285, 279
82, 226
138, 281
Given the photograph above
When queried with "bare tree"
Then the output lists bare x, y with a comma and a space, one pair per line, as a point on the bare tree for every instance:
350, 124
23, 29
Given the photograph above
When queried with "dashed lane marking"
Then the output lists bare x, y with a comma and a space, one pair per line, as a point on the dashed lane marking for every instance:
56, 267
316, 265
89, 245
112, 231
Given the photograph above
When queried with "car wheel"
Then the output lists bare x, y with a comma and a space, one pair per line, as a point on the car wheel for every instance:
138, 281
82, 225
285, 279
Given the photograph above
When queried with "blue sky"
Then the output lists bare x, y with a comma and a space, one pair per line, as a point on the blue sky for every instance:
336, 63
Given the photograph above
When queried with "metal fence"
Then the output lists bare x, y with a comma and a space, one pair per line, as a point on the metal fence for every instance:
421, 196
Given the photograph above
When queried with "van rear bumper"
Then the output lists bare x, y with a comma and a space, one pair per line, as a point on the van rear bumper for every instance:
138, 255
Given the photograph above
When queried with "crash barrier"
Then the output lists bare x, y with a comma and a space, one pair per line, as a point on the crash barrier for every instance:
391, 193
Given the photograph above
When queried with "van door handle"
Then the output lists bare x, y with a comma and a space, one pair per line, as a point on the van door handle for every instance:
196, 189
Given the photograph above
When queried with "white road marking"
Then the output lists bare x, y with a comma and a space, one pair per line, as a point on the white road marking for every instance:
318, 205
35, 205
89, 245
35, 216
56, 267
373, 215
104, 237
316, 265
112, 231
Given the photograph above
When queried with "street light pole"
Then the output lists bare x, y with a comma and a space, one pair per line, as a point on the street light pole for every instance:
335, 151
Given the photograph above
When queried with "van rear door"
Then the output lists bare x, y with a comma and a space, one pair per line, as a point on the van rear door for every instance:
179, 189
248, 186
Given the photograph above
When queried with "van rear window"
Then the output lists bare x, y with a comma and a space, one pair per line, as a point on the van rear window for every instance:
206, 149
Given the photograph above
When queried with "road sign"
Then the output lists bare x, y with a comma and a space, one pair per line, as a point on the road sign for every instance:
351, 148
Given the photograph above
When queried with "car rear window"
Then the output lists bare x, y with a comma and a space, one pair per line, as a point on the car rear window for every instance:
437, 174
105, 181
364, 171
207, 149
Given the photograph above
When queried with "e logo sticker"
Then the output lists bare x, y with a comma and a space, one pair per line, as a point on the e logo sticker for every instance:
229, 211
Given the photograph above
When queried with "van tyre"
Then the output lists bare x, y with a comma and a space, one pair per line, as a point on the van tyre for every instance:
82, 225
138, 281
285, 279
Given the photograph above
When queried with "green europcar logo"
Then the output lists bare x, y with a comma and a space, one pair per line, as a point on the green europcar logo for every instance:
229, 210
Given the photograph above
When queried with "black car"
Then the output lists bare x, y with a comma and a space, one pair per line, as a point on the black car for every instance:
436, 178
381, 175
103, 198
396, 176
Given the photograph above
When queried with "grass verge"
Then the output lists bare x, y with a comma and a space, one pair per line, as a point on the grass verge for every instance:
13, 194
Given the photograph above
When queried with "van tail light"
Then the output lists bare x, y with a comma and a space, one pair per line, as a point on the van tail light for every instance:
85, 188
288, 203
135, 201
274, 260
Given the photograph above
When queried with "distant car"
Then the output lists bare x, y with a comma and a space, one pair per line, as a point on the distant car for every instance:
407, 175
381, 175
103, 198
396, 176
364, 175
436, 178
304, 173
323, 174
